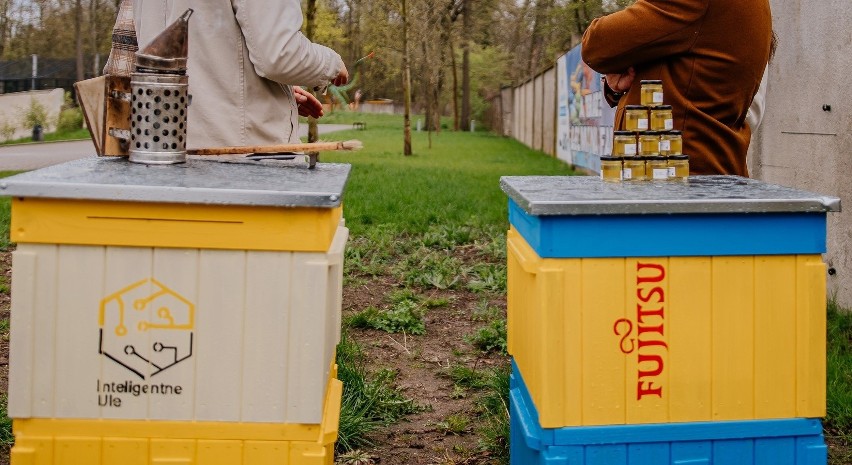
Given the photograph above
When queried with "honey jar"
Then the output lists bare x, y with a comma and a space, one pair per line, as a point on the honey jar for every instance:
636, 118
649, 143
651, 93
634, 169
611, 169
678, 167
661, 118
657, 168
624, 144
671, 143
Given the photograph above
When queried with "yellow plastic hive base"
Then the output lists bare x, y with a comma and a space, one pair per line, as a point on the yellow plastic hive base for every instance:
110, 442
610, 341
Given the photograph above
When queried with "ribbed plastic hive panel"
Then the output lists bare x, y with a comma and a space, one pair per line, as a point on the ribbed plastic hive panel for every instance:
201, 299
792, 441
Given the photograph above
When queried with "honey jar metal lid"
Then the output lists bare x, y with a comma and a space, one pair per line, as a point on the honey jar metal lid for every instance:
635, 107
655, 158
662, 107
673, 132
679, 157
623, 133
610, 158
650, 133
651, 81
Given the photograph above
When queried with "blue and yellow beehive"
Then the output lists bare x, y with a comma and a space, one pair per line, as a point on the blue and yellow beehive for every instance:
176, 314
660, 303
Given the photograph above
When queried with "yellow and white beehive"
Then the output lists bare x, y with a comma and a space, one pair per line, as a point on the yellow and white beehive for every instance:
184, 311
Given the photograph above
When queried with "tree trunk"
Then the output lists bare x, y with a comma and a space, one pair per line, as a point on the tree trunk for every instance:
4, 24
78, 26
406, 82
310, 15
455, 89
466, 25
94, 6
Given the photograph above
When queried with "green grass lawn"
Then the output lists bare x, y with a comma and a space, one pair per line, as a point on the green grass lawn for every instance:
77, 134
455, 182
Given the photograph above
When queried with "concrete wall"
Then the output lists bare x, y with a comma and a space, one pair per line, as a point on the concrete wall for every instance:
528, 112
800, 144
548, 122
13, 106
538, 109
507, 97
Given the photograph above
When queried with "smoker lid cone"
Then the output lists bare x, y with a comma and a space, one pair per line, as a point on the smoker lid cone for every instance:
168, 51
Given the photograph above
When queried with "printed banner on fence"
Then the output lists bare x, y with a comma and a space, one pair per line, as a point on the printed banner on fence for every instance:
584, 119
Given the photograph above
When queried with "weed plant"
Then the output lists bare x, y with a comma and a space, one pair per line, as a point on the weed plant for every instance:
402, 317
490, 338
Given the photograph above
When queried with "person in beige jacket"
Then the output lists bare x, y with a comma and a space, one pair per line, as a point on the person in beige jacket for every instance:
246, 61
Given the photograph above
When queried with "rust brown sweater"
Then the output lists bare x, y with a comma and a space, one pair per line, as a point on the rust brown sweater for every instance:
710, 55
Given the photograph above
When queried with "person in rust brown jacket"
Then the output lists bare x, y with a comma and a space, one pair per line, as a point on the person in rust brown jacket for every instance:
710, 55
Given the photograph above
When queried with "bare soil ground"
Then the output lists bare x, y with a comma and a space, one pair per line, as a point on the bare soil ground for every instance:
422, 364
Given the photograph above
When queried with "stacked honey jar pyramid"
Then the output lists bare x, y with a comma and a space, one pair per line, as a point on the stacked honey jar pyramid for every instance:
649, 148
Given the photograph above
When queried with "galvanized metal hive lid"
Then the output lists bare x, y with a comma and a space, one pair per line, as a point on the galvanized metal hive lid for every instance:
194, 182
588, 195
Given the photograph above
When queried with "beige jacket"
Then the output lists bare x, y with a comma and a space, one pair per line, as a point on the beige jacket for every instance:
243, 57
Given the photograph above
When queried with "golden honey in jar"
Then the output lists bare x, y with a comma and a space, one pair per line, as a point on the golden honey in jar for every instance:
649, 143
651, 93
661, 118
671, 143
678, 167
634, 169
611, 169
624, 144
636, 118
657, 168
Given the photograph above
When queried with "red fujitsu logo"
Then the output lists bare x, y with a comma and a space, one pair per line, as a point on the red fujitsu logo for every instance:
649, 340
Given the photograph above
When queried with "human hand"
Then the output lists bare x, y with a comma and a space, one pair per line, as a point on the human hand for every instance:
308, 104
342, 75
621, 82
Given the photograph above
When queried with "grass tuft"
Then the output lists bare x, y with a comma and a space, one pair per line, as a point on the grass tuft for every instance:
839, 370
370, 400
494, 408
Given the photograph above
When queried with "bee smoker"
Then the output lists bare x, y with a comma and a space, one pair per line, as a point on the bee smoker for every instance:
159, 99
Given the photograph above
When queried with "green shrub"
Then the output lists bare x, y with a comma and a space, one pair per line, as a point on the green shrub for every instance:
70, 119
36, 114
7, 131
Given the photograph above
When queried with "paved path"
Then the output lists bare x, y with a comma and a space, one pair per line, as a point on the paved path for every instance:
33, 156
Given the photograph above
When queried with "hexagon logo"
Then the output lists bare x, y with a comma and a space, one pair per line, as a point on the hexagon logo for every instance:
146, 327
